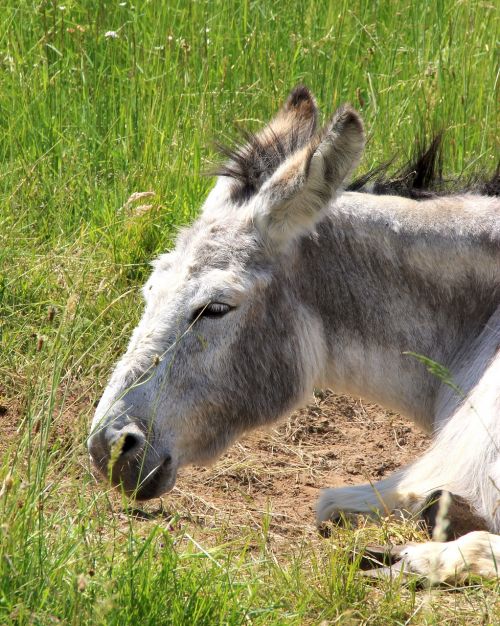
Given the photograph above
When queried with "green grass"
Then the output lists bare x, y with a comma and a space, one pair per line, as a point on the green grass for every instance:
86, 120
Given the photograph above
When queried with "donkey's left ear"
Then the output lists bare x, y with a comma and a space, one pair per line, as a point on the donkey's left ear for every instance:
292, 201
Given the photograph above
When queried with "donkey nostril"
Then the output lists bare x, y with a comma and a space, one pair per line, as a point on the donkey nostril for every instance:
167, 460
129, 443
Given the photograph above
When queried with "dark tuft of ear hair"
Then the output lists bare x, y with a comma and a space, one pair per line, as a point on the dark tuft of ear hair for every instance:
346, 116
253, 160
302, 102
298, 95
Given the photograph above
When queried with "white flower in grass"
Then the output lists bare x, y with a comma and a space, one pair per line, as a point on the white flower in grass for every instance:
111, 34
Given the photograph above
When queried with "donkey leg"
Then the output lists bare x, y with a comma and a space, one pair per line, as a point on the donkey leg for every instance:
464, 459
373, 500
473, 486
476, 553
415, 489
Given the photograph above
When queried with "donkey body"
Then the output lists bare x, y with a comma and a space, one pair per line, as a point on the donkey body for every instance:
286, 283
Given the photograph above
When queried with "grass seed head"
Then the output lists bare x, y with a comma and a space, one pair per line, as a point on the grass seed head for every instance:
81, 583
116, 450
7, 485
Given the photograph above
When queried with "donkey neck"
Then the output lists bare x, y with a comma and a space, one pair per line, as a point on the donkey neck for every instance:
389, 276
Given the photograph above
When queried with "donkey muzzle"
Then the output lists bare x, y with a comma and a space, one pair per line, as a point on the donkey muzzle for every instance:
122, 453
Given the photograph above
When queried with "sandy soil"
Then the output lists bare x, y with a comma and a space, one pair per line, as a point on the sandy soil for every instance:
334, 441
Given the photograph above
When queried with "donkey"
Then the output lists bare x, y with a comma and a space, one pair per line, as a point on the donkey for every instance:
289, 281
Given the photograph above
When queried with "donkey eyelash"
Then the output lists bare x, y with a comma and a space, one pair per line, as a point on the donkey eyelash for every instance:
212, 310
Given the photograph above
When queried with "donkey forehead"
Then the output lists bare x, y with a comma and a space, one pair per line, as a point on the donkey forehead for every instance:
197, 288
210, 254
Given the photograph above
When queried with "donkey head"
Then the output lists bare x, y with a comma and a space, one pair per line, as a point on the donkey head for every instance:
225, 343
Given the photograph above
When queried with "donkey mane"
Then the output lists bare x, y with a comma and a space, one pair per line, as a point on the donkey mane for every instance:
255, 156
421, 177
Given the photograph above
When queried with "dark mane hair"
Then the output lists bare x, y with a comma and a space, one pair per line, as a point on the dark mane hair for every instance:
250, 161
422, 177
254, 157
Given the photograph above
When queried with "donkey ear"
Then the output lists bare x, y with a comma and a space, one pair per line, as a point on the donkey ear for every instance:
291, 202
250, 164
298, 116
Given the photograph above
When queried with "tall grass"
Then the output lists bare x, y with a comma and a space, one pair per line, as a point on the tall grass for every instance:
99, 99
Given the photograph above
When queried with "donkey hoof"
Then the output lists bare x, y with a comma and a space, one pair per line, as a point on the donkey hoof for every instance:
450, 516
374, 556
325, 529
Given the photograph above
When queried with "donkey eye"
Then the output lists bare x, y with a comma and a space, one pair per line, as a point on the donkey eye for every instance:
212, 309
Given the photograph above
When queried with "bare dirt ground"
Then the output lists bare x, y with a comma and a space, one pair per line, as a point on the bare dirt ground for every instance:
334, 441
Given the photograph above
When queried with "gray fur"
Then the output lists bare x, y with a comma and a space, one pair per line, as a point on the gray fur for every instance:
325, 288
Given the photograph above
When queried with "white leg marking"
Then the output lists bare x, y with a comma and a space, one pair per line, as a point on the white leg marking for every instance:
477, 553
373, 500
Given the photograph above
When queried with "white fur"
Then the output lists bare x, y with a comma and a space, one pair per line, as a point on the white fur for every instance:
452, 562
